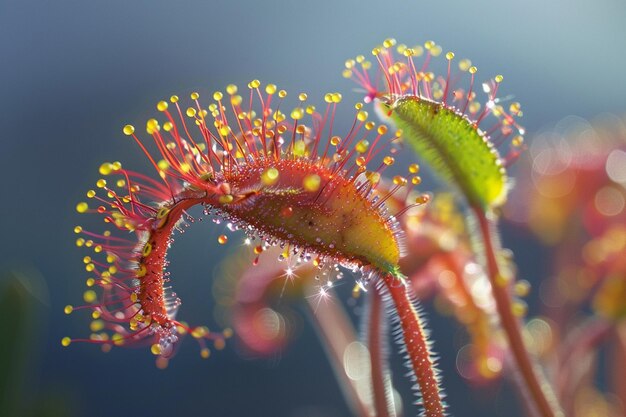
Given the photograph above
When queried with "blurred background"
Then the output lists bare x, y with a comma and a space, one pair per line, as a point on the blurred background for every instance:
72, 73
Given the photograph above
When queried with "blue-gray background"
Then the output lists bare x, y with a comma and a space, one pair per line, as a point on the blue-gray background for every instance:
73, 72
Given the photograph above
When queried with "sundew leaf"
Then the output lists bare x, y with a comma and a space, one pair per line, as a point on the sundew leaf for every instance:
456, 150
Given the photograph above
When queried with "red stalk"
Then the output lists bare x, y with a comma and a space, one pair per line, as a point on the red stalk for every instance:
510, 324
414, 339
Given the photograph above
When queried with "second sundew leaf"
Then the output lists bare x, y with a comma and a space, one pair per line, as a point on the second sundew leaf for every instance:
452, 126
453, 147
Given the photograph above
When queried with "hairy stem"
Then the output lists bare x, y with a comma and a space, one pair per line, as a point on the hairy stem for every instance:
381, 389
535, 385
421, 362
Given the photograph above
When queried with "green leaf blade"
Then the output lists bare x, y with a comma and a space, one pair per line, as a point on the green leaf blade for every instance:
453, 147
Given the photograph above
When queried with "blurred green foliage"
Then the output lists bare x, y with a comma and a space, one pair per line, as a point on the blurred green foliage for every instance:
19, 326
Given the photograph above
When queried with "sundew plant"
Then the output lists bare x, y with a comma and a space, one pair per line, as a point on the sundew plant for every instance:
314, 203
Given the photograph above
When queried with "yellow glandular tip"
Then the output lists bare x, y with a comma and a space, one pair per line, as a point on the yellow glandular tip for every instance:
226, 199
465, 64
128, 130
155, 349
297, 113
152, 126
270, 176
422, 199
311, 182
399, 180
205, 353
162, 105
106, 168
82, 207
522, 288
90, 296
141, 271
362, 146
68, 309
66, 341
96, 325
231, 89
373, 177
163, 165
199, 332
519, 308
117, 339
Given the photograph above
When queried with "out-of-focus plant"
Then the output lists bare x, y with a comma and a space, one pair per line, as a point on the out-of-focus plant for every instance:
22, 296
574, 200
